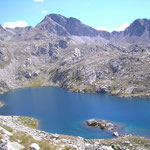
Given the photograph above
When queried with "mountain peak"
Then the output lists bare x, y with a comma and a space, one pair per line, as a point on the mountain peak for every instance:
61, 25
57, 18
141, 21
61, 19
1, 27
54, 17
138, 27
2, 30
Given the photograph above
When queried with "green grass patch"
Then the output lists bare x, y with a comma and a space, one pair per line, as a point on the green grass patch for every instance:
26, 140
29, 122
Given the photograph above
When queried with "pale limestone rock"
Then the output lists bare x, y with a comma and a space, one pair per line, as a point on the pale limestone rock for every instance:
34, 146
115, 134
106, 148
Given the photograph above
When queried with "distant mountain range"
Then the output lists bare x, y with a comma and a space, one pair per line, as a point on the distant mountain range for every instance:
64, 52
62, 26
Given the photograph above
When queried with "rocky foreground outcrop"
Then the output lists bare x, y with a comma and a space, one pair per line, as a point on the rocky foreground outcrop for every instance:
18, 133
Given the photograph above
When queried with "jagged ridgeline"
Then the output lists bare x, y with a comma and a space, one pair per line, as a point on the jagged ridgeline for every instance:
65, 52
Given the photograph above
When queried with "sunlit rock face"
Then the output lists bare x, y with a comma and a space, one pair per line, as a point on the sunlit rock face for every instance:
67, 53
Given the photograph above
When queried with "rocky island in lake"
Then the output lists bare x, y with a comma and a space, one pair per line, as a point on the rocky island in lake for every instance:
1, 104
113, 128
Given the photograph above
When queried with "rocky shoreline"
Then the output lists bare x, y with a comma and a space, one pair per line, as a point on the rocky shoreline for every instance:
116, 94
18, 133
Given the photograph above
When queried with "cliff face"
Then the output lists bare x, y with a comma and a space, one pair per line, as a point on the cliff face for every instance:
65, 52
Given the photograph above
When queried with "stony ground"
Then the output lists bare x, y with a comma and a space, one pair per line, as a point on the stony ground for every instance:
18, 133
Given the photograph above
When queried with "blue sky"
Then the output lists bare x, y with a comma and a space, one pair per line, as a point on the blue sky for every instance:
108, 14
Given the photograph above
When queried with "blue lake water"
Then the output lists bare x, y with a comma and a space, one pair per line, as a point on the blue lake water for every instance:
63, 112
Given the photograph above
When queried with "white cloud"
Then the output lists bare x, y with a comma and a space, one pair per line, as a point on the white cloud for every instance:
44, 12
15, 24
102, 28
122, 27
38, 0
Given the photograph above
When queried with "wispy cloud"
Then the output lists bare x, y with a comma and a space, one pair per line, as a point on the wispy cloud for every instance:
122, 27
15, 24
102, 28
38, 0
44, 12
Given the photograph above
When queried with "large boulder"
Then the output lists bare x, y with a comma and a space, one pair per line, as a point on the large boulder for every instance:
91, 122
116, 134
34, 146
